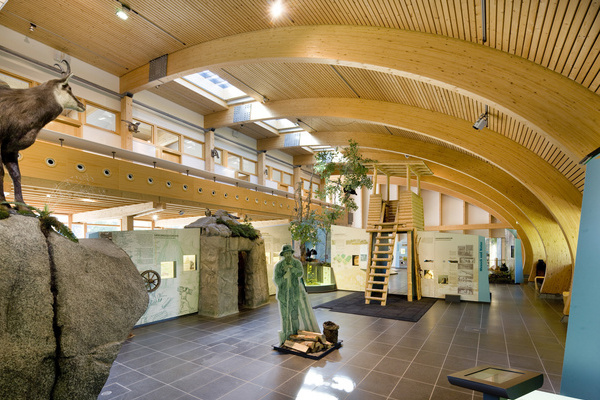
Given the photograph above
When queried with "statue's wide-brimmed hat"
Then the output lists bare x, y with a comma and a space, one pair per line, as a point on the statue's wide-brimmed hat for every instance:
286, 248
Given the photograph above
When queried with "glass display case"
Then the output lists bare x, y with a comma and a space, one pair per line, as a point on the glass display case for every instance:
318, 277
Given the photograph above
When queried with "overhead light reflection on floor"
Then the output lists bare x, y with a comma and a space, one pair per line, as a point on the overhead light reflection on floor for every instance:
317, 387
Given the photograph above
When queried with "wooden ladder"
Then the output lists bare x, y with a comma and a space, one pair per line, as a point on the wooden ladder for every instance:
381, 253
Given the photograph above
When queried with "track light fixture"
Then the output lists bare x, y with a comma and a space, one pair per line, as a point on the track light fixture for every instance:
482, 121
122, 11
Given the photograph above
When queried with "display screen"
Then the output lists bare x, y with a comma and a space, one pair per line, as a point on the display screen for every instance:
494, 375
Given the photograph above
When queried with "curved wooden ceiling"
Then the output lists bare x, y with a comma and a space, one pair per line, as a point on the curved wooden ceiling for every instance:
417, 71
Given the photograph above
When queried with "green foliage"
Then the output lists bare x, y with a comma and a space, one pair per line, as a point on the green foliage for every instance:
3, 211
351, 171
47, 221
244, 230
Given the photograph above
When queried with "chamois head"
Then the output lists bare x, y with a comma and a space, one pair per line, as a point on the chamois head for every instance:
62, 91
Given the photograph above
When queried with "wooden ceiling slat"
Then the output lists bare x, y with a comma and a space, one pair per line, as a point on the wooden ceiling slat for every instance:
556, 30
573, 21
576, 42
542, 31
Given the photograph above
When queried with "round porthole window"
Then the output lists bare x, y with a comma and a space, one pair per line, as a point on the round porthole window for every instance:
213, 192
225, 195
50, 162
106, 172
185, 187
273, 204
168, 184
130, 177
80, 167
247, 198
237, 196
280, 205
265, 202
150, 181
256, 201
199, 190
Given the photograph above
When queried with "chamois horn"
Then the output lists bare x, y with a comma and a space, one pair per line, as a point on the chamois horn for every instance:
62, 71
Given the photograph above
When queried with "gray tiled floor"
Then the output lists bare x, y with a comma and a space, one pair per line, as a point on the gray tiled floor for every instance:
231, 358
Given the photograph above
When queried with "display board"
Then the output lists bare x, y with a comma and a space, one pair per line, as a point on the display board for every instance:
349, 252
275, 237
451, 263
173, 253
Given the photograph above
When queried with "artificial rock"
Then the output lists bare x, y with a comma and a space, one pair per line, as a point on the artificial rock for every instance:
65, 310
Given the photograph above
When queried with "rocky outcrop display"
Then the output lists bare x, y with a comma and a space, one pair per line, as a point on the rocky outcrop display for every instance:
224, 260
65, 310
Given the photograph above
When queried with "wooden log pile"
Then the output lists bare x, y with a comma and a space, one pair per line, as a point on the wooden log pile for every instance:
308, 342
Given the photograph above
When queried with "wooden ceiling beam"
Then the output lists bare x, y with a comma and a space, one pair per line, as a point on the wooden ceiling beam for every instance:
546, 182
117, 212
561, 110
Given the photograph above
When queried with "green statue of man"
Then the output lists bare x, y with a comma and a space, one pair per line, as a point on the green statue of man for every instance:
294, 306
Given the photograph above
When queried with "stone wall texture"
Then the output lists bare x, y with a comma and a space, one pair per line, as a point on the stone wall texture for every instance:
65, 310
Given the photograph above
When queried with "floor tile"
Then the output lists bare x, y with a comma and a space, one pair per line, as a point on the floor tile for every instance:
232, 357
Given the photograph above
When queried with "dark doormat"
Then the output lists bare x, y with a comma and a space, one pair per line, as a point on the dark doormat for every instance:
397, 306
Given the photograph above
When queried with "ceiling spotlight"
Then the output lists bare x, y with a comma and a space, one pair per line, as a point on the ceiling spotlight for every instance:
276, 8
123, 11
482, 122
32, 26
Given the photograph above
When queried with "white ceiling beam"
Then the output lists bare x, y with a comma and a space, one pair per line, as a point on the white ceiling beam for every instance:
116, 212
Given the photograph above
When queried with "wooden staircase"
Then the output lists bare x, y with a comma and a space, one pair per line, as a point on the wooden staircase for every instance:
382, 241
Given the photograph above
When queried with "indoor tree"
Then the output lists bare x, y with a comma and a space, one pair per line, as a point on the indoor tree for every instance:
343, 173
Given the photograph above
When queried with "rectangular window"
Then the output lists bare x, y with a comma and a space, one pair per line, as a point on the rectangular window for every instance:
144, 131
167, 139
287, 179
219, 157
306, 185
233, 162
276, 175
249, 166
14, 82
193, 148
100, 118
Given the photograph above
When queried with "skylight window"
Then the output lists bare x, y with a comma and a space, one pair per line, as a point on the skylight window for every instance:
281, 124
215, 85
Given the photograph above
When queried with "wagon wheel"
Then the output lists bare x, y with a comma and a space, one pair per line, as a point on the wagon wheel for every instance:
151, 280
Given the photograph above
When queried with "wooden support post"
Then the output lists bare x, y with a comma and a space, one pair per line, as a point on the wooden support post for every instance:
387, 187
419, 185
374, 180
127, 223
126, 115
409, 265
408, 177
261, 165
209, 145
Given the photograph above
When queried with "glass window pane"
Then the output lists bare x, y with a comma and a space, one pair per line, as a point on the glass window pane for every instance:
144, 132
315, 187
287, 179
233, 162
249, 166
219, 158
13, 82
306, 185
167, 139
101, 118
193, 148
276, 175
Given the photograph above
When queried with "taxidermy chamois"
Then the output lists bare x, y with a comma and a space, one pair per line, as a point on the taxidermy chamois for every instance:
23, 113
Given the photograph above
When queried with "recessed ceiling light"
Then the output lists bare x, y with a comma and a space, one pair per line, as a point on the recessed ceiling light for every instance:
277, 8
